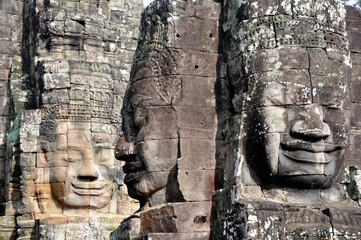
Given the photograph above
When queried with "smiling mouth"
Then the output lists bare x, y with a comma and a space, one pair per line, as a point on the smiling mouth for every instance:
134, 170
321, 153
87, 188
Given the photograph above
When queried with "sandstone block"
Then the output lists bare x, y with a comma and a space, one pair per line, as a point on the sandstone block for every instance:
161, 155
58, 174
104, 156
277, 88
202, 31
156, 123
42, 175
56, 80
178, 236
280, 59
29, 132
28, 146
197, 154
196, 63
202, 191
56, 96
159, 220
51, 159
196, 119
356, 115
197, 91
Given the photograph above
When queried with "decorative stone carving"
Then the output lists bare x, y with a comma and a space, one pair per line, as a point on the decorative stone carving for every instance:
255, 107
295, 101
169, 122
66, 88
81, 175
288, 65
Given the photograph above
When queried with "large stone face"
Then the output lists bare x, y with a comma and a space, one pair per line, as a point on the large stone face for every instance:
240, 119
295, 82
289, 67
169, 122
66, 65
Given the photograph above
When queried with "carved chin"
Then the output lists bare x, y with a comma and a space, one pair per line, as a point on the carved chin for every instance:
143, 184
308, 181
310, 170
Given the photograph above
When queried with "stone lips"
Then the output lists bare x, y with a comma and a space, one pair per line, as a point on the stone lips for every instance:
310, 152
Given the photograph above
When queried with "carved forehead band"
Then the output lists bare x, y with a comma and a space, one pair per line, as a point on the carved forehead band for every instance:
76, 112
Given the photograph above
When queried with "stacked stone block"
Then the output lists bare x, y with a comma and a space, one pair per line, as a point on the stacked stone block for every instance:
279, 56
64, 68
85, 51
74, 56
353, 165
170, 122
10, 72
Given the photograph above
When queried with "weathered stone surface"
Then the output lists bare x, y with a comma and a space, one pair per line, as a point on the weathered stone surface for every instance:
265, 106
354, 150
58, 75
318, 83
169, 117
180, 217
92, 228
7, 225
292, 90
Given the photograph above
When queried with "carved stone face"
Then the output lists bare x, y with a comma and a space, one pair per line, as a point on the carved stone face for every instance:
150, 143
297, 117
88, 175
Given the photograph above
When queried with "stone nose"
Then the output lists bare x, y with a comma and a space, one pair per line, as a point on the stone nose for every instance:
313, 126
124, 149
88, 169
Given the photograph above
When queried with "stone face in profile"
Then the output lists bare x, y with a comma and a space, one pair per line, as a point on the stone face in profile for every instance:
162, 111
169, 122
152, 132
150, 143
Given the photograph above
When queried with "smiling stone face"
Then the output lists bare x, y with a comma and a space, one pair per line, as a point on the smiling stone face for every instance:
81, 172
89, 173
297, 118
313, 150
292, 91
